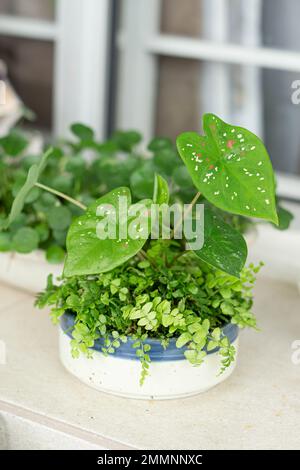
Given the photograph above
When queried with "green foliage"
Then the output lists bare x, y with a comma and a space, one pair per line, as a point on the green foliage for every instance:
55, 254
63, 169
132, 287
84, 133
285, 218
90, 253
25, 240
161, 190
13, 144
113, 163
171, 294
224, 247
231, 167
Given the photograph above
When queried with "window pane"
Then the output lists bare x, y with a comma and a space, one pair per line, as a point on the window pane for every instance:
267, 23
181, 17
30, 69
178, 100
260, 100
41, 9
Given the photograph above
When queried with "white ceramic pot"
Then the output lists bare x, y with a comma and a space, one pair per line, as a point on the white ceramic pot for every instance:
27, 272
170, 374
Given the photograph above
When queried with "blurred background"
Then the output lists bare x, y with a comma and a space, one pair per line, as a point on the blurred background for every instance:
157, 65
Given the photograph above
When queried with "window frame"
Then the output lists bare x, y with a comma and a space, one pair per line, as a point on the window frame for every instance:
80, 33
140, 43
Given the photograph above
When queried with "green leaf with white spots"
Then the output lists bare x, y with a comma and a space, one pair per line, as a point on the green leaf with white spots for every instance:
231, 168
89, 252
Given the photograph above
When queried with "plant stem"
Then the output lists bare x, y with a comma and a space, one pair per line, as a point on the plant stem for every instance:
62, 195
189, 209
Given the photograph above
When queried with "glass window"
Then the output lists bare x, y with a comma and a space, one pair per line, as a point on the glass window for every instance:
265, 23
39, 9
258, 99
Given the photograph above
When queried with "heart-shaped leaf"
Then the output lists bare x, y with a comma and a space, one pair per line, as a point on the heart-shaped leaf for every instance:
231, 167
224, 247
161, 190
90, 254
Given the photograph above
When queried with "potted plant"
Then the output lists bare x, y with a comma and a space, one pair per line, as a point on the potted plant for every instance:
35, 243
138, 315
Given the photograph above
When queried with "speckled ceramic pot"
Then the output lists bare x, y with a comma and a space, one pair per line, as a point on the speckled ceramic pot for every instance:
170, 374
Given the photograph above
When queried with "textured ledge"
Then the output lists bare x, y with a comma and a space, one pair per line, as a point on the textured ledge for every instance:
257, 407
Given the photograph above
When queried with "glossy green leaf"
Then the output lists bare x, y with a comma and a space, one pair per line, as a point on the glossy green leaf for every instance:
25, 240
231, 168
89, 254
161, 190
224, 247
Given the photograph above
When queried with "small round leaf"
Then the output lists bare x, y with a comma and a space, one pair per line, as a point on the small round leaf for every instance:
25, 240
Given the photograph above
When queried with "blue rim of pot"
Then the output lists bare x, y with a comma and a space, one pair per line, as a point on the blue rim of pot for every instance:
157, 352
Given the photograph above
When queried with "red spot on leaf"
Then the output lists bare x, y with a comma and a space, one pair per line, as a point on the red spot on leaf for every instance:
230, 144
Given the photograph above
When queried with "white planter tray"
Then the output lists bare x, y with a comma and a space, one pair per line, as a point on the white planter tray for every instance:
170, 374
27, 272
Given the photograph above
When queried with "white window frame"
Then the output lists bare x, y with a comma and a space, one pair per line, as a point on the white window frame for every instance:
140, 44
80, 34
